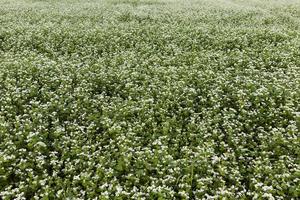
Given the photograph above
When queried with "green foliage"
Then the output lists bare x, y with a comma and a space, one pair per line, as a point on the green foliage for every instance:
149, 99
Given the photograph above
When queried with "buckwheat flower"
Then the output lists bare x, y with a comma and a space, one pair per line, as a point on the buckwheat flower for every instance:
259, 185
268, 196
77, 178
215, 159
266, 188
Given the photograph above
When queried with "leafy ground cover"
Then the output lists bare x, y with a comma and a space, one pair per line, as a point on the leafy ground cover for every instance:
149, 99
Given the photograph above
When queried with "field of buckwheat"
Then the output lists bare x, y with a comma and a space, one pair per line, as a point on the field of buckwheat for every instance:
149, 99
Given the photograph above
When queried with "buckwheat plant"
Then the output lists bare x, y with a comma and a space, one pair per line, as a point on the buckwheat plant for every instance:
149, 99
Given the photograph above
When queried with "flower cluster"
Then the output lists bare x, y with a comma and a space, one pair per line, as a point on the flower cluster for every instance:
149, 99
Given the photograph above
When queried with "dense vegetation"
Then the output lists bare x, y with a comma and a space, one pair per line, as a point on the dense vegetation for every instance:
149, 99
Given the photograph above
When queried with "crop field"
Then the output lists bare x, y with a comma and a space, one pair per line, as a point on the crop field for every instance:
149, 99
